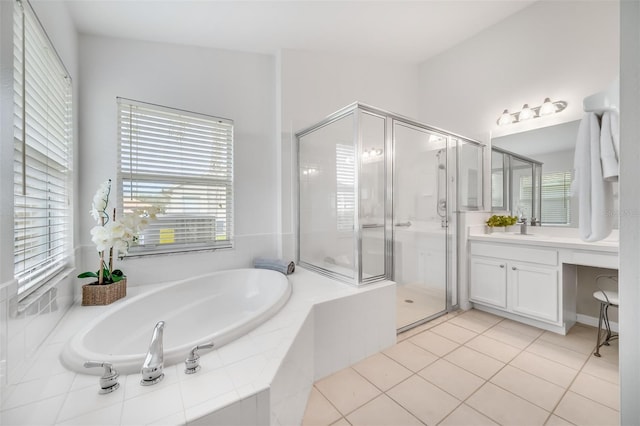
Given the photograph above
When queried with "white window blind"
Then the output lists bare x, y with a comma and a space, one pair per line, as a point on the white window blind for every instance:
181, 162
42, 154
556, 205
345, 187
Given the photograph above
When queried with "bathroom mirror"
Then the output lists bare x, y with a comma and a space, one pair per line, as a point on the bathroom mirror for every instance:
554, 147
516, 183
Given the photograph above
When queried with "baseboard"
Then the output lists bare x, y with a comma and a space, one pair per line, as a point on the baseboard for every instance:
593, 321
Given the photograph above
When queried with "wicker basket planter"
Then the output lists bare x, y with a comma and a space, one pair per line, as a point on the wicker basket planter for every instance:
94, 294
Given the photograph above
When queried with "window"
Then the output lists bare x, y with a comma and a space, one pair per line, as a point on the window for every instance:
345, 187
181, 162
42, 154
556, 203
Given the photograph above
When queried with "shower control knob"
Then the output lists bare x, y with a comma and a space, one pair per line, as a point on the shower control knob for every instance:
502, 266
109, 380
192, 363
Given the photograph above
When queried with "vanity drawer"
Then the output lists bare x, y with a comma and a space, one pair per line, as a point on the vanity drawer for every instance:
513, 252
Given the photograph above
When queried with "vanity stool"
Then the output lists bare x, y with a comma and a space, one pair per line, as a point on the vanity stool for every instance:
606, 298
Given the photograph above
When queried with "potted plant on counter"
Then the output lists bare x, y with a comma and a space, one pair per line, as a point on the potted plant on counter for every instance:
500, 221
113, 237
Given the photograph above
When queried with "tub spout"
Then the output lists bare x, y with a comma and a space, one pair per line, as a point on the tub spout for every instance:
154, 361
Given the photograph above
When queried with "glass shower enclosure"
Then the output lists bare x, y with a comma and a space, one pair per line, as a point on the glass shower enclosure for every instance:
378, 196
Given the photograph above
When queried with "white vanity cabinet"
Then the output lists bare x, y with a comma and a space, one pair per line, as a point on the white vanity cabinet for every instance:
534, 291
520, 280
488, 281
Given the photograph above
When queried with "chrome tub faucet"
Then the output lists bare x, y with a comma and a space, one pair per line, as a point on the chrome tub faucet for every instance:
154, 361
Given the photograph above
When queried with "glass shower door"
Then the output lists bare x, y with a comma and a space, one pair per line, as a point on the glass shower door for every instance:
420, 223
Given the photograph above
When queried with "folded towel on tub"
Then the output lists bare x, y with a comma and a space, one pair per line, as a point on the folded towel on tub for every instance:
280, 265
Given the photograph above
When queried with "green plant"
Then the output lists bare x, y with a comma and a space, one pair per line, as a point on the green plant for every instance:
501, 220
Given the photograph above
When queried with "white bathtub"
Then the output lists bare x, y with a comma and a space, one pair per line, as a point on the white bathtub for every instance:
217, 307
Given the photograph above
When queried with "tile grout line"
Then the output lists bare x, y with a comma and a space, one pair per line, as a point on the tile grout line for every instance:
577, 393
566, 389
550, 413
416, 373
488, 380
344, 416
464, 401
539, 338
383, 392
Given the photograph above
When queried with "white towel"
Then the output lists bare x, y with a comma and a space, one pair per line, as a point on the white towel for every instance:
609, 143
595, 195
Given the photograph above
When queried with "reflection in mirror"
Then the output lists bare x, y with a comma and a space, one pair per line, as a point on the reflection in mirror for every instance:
524, 199
499, 184
516, 181
553, 146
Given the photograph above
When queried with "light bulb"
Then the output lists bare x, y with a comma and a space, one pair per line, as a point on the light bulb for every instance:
547, 107
505, 118
526, 113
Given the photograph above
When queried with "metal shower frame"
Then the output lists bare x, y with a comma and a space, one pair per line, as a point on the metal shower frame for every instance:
389, 119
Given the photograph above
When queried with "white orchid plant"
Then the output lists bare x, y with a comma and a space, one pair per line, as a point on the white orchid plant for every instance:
114, 236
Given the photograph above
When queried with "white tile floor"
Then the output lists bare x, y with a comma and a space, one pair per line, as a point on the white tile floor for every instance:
473, 368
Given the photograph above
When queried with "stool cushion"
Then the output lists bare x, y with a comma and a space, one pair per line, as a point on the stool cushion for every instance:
611, 295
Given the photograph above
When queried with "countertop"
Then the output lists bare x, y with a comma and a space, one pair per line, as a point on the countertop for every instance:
546, 237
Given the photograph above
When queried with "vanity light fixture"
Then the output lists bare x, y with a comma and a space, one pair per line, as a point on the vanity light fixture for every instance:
505, 118
548, 107
526, 113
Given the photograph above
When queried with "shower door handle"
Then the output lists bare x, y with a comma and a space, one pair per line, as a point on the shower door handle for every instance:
441, 207
372, 225
404, 224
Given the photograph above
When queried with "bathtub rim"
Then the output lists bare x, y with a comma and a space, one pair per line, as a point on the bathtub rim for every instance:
74, 353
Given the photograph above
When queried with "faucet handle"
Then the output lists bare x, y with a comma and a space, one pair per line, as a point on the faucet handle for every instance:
109, 380
192, 363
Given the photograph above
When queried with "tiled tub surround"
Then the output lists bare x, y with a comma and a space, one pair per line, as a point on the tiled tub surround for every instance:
25, 324
263, 377
475, 368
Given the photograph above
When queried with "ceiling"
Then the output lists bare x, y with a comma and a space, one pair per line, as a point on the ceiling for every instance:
407, 31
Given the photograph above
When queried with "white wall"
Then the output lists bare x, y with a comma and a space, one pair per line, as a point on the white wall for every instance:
313, 85
234, 85
630, 214
558, 49
25, 325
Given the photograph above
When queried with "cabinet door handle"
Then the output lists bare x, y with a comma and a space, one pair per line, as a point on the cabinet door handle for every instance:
502, 266
514, 268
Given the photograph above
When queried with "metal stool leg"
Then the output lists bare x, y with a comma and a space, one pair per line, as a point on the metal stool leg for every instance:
606, 323
602, 310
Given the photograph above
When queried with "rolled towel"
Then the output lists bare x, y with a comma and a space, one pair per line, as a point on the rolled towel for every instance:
279, 265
